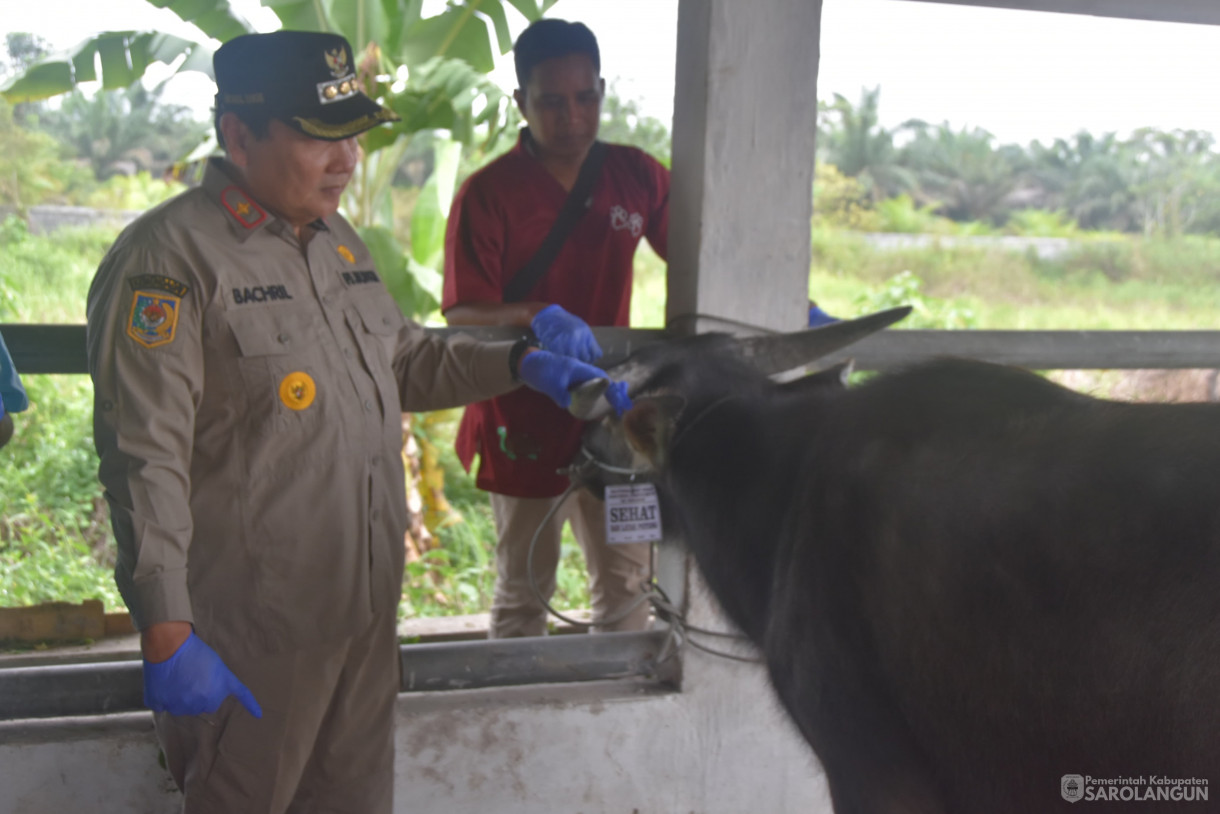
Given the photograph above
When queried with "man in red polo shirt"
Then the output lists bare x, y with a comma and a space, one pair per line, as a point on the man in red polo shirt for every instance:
499, 218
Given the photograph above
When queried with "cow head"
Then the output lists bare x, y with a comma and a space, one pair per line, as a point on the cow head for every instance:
674, 383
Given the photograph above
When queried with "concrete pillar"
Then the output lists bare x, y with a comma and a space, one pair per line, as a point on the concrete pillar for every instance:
745, 120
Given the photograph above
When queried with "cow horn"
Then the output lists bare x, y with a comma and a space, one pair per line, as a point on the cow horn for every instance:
777, 353
586, 398
771, 354
588, 403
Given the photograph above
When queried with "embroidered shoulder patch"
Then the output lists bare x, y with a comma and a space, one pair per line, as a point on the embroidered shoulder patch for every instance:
158, 282
241, 206
154, 317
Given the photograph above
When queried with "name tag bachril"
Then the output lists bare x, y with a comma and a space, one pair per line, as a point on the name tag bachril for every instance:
633, 513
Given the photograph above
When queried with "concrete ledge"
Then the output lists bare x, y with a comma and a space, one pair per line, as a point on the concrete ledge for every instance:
60, 689
70, 729
121, 643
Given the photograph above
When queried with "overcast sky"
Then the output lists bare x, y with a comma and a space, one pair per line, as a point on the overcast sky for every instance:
1020, 75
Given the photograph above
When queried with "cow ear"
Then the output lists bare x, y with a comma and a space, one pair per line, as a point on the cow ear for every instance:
649, 426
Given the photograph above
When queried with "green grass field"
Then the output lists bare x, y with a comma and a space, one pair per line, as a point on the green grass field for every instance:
1119, 284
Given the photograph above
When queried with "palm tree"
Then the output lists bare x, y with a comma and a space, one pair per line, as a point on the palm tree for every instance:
124, 130
1171, 180
960, 171
852, 139
1088, 177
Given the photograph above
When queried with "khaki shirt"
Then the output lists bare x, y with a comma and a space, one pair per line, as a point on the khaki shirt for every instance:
248, 400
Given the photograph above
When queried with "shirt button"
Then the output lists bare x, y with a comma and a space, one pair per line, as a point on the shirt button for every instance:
376, 514
368, 406
385, 321
347, 352
284, 339
327, 299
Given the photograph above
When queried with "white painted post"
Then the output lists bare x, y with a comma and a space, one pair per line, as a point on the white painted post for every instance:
745, 121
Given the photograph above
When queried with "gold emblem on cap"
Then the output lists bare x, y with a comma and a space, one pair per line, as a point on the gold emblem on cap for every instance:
297, 390
336, 90
346, 253
336, 60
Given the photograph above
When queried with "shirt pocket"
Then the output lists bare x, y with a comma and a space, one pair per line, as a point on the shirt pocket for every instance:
375, 322
280, 364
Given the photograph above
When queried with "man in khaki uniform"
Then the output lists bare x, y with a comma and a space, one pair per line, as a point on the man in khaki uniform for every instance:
250, 371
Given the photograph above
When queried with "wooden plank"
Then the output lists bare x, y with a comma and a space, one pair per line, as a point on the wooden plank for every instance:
46, 348
53, 622
60, 348
1041, 350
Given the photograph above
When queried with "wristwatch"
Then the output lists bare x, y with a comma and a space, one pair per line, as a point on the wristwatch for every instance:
514, 355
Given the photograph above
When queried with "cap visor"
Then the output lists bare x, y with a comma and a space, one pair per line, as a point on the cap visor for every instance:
345, 119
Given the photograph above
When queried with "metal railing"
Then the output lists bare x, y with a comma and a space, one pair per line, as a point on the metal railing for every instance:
61, 348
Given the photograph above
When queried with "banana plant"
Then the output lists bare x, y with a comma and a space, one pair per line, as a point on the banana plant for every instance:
431, 70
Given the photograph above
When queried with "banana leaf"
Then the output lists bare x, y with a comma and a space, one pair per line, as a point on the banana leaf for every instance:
123, 57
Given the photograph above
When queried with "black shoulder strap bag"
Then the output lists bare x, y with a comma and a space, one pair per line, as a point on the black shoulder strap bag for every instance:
579, 201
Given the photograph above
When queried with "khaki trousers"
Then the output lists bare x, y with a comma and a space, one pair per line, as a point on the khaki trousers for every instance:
617, 573
325, 743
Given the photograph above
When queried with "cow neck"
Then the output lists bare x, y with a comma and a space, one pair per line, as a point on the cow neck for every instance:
734, 543
701, 415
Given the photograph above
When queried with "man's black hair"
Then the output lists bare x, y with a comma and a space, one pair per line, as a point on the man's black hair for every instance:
258, 122
546, 39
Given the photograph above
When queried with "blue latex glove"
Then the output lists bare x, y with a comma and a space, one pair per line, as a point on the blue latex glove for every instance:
193, 680
11, 392
616, 394
568, 334
555, 376
818, 317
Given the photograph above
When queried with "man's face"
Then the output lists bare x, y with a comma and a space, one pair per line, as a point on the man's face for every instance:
298, 178
562, 103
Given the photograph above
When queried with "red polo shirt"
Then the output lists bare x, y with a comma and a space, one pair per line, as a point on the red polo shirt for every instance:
498, 220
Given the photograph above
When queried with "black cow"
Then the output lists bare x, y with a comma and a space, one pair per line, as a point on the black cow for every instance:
967, 582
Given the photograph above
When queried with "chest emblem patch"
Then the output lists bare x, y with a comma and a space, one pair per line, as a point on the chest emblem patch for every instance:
620, 220
297, 390
154, 318
346, 253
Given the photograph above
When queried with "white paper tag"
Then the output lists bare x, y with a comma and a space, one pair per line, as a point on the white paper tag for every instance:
633, 513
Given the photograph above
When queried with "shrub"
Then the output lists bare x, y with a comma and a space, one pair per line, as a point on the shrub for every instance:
842, 202
905, 288
1040, 223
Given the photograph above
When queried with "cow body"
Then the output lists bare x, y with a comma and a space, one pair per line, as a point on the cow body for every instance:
967, 582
